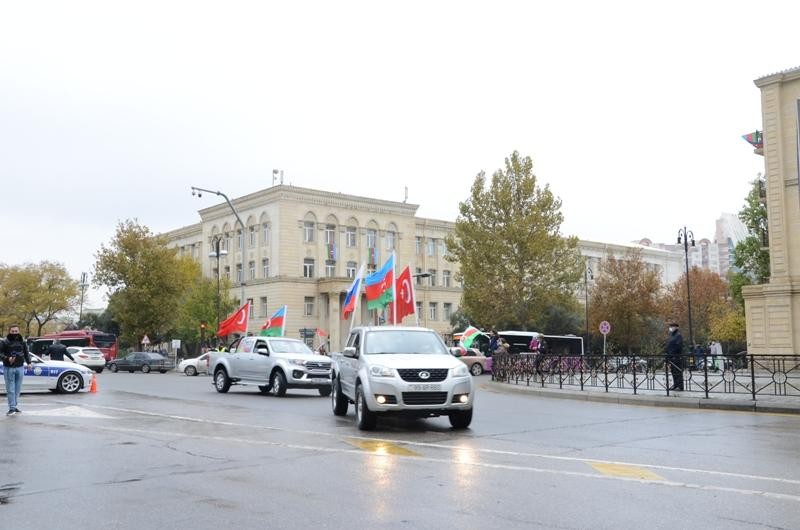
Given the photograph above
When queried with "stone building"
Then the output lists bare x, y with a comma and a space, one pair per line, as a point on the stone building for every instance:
773, 309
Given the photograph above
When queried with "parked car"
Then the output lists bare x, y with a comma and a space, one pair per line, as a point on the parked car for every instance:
57, 376
472, 357
195, 366
141, 361
89, 357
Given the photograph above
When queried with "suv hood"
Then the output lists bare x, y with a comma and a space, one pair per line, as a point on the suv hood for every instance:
413, 360
305, 356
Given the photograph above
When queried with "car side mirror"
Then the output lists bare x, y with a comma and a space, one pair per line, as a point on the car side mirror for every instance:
350, 351
262, 350
455, 352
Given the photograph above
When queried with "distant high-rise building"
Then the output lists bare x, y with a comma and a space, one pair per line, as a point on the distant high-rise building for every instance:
730, 231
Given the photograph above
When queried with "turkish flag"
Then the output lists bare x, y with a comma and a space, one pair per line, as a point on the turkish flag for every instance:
235, 322
405, 296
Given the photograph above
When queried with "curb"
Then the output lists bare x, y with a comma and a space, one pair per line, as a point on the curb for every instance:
646, 400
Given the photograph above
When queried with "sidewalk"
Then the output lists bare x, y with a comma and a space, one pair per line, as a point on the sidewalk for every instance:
691, 400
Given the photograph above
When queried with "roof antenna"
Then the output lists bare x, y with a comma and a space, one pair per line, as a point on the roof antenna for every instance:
274, 172
406, 199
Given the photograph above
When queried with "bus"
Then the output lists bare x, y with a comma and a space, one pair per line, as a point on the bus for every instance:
105, 342
518, 341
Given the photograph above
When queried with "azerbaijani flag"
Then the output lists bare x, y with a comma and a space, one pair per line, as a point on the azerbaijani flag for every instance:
380, 286
275, 325
469, 335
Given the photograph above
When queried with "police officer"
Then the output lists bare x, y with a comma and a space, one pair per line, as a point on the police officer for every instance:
58, 351
14, 354
674, 351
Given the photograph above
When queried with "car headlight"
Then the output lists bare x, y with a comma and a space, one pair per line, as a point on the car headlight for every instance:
381, 371
460, 371
298, 362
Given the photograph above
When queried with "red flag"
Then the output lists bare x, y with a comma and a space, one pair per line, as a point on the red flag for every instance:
405, 296
235, 322
321, 332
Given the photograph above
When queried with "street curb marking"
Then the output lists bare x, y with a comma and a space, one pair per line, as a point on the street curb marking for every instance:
618, 470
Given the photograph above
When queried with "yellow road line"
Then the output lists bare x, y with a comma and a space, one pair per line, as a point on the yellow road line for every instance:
620, 470
381, 447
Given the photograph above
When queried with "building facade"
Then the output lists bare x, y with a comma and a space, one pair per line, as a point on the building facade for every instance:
773, 309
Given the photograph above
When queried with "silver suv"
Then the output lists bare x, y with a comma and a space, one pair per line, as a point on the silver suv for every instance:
275, 364
400, 370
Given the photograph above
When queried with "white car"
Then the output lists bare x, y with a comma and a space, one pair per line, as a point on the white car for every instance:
89, 357
57, 376
195, 366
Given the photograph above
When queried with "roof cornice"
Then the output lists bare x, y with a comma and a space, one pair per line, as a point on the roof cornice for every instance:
778, 77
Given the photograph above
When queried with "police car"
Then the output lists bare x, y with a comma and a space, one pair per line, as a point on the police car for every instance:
57, 376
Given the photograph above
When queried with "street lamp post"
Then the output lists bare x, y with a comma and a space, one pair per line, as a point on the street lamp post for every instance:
587, 275
199, 192
84, 284
685, 236
217, 254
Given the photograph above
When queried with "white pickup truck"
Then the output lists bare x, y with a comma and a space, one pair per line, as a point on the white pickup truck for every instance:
274, 364
397, 370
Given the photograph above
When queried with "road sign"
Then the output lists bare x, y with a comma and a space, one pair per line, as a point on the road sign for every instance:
605, 327
145, 340
307, 333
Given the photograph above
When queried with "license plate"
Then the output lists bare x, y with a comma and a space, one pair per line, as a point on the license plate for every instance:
425, 387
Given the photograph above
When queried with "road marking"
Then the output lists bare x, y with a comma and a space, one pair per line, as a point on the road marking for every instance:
618, 470
457, 462
454, 447
381, 447
68, 412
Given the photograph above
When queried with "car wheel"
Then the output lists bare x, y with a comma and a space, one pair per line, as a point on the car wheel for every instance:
145, 369
69, 383
461, 419
278, 383
476, 369
221, 381
131, 371
264, 389
339, 401
324, 392
98, 370
365, 418
162, 371
190, 371
113, 368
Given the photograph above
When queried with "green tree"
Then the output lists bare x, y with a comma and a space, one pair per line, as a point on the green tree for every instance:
459, 320
707, 289
727, 323
146, 281
33, 295
513, 258
751, 255
626, 294
199, 304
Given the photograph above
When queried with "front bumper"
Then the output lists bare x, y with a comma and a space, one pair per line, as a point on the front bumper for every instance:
299, 378
423, 399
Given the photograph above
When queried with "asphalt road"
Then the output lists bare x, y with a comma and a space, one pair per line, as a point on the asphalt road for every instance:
167, 451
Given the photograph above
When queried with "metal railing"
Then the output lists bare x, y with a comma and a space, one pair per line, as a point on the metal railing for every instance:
756, 375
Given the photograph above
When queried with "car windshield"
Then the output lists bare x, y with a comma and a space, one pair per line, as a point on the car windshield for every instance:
403, 341
289, 346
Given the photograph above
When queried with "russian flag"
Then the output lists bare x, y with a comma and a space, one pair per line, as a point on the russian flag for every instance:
275, 324
351, 300
380, 286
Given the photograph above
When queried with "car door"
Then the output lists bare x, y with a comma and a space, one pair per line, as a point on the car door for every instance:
242, 360
348, 366
37, 377
262, 361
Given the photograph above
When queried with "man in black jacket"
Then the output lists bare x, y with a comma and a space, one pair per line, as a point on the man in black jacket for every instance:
58, 351
14, 353
675, 356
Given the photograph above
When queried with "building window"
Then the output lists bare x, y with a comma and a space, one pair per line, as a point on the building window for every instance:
372, 237
432, 310
252, 313
227, 242
443, 248
432, 278
431, 247
252, 236
445, 278
418, 243
351, 236
419, 308
447, 311
351, 269
417, 275
330, 234
390, 239
239, 273
252, 267
330, 268
265, 268
240, 237
263, 306
227, 272
308, 231
308, 306
308, 268
265, 233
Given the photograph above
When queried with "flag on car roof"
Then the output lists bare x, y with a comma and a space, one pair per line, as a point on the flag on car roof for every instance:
469, 335
353, 294
276, 324
235, 322
380, 286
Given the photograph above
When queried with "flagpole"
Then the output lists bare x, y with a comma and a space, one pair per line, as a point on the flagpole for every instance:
413, 295
360, 278
285, 317
394, 289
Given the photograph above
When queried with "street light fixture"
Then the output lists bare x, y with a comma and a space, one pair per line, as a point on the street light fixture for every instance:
217, 254
199, 193
587, 275
685, 236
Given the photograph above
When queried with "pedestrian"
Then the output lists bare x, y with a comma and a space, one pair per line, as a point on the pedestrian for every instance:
14, 354
493, 341
533, 345
58, 351
674, 350
697, 352
322, 350
502, 346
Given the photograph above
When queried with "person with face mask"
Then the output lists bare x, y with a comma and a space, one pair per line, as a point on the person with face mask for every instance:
14, 353
674, 351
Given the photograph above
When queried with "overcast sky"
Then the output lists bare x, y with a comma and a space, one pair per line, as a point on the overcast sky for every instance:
632, 113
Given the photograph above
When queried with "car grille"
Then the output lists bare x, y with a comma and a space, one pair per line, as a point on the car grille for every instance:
320, 376
412, 374
424, 398
316, 365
